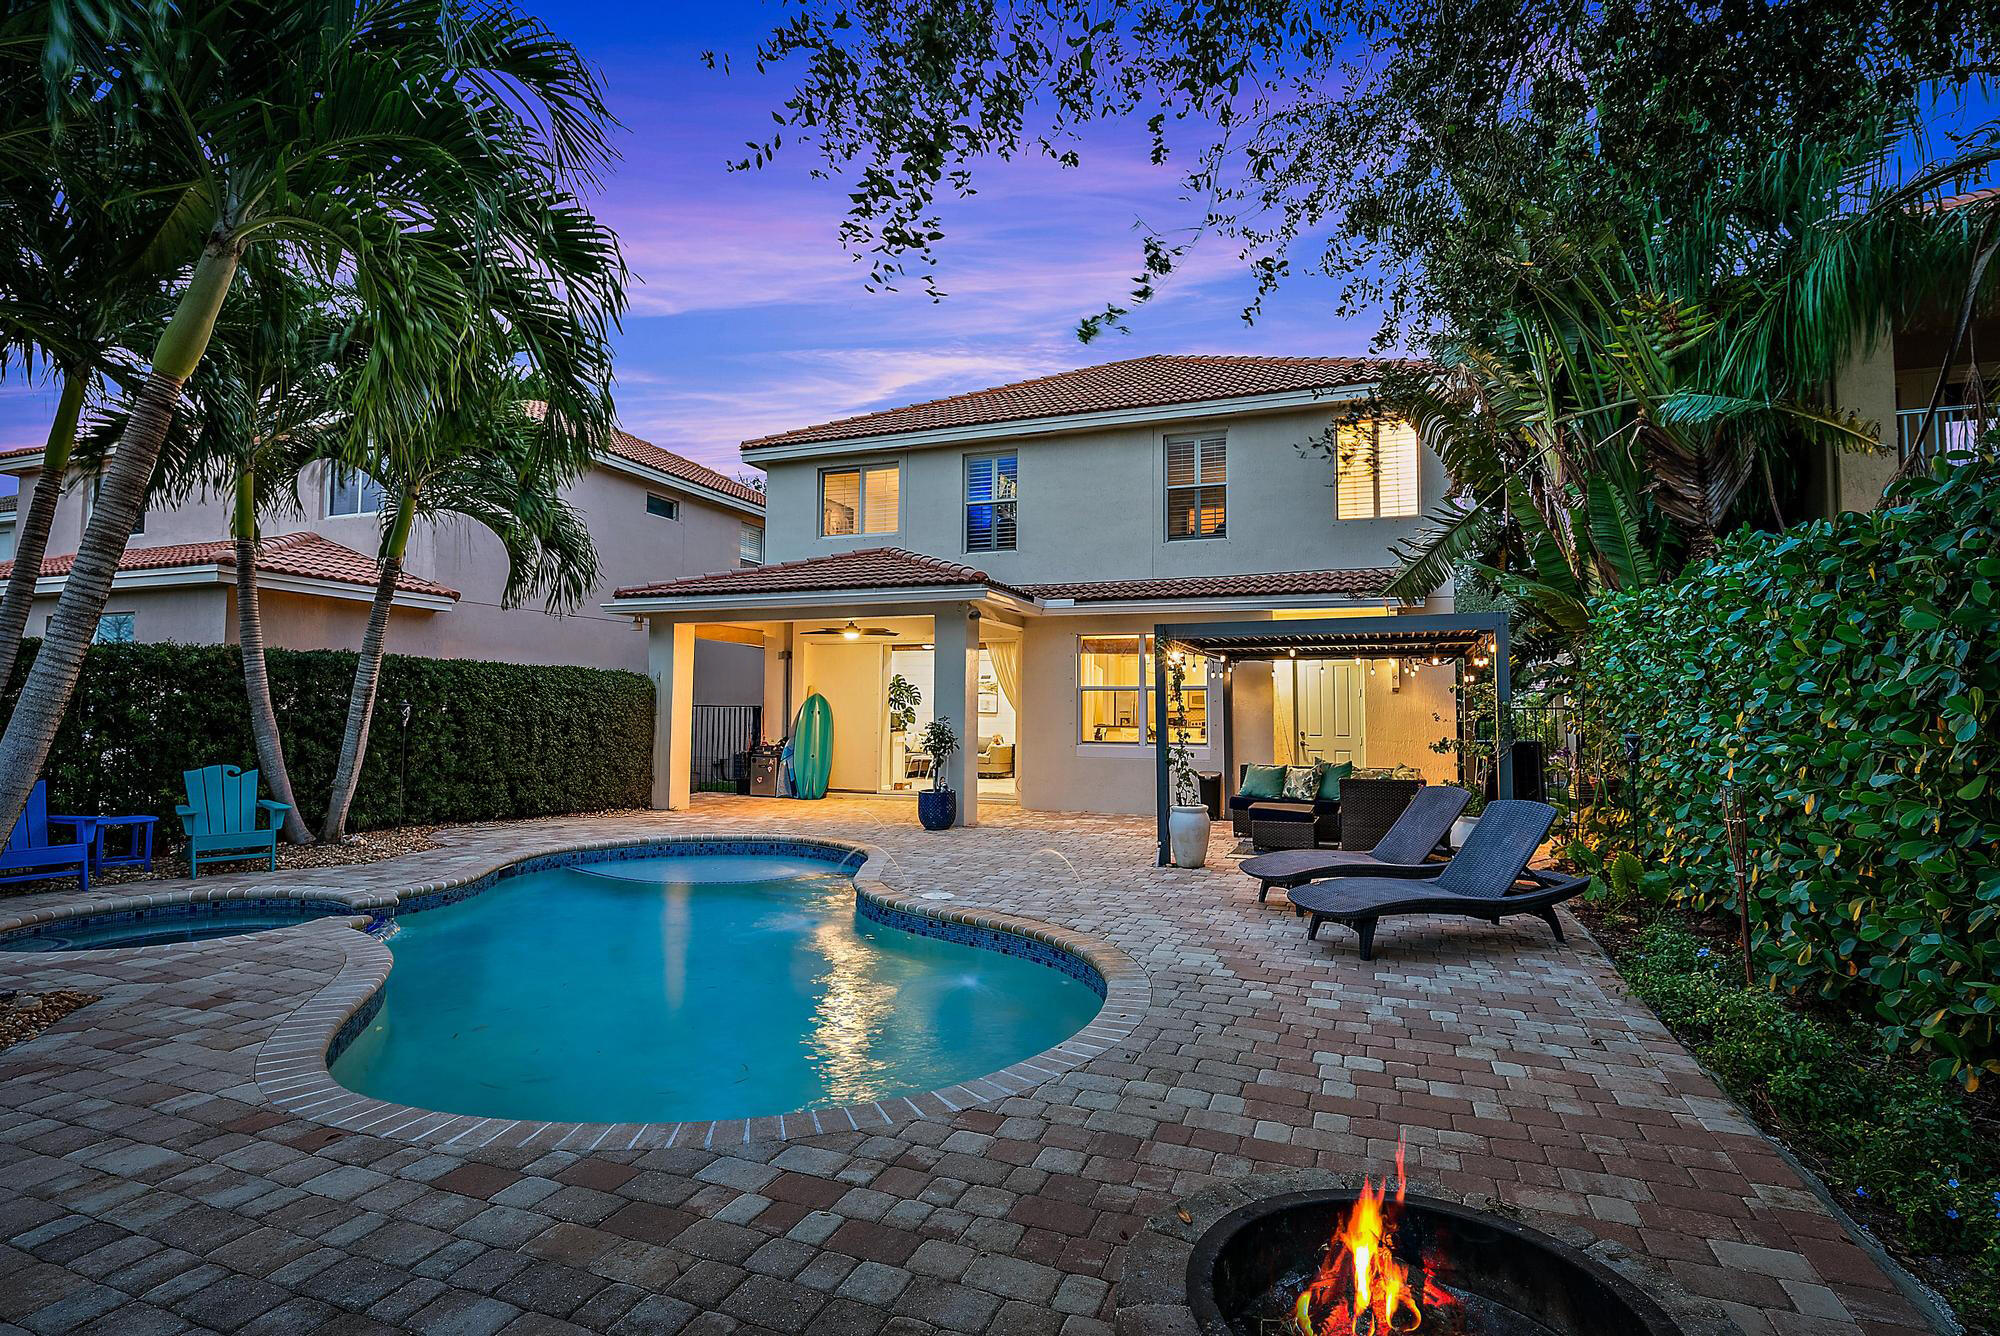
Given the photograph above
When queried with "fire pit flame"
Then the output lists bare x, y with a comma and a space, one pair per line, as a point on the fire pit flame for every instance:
1362, 1288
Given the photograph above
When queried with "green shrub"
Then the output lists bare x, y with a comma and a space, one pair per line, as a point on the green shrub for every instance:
485, 741
1838, 683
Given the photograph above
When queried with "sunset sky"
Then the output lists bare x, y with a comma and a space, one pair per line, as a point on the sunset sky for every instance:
746, 316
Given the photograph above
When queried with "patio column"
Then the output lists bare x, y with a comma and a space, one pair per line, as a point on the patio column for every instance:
777, 681
670, 663
955, 699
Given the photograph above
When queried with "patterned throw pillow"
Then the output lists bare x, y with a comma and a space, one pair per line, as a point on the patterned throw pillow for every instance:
1301, 783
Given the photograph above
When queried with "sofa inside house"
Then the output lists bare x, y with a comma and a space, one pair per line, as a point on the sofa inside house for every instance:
996, 757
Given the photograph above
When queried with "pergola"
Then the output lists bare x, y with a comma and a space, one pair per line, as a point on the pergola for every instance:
1454, 636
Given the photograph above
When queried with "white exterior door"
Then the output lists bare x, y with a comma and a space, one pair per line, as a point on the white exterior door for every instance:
1329, 709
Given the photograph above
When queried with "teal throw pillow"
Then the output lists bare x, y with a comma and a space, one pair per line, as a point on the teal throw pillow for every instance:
1263, 781
1329, 780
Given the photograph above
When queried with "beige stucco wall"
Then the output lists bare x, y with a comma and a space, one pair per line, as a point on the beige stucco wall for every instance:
1866, 387
1092, 506
632, 545
1405, 715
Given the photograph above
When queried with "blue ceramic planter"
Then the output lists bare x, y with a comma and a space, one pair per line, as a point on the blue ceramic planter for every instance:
937, 808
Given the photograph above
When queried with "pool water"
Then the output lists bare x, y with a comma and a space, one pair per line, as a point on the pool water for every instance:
157, 930
684, 988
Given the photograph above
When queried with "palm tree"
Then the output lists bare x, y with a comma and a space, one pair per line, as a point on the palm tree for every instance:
1646, 385
489, 458
422, 150
267, 400
82, 270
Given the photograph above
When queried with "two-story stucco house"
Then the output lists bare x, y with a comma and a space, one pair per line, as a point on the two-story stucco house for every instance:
1008, 551
649, 510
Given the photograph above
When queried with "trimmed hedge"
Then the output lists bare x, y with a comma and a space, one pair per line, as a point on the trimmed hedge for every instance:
1841, 678
485, 742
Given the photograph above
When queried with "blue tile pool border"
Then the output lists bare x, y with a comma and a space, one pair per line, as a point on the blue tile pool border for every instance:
305, 909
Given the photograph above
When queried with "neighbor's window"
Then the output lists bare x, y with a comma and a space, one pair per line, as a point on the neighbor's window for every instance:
864, 500
115, 628
97, 487
749, 545
991, 499
1375, 469
1197, 471
1114, 684
664, 506
352, 492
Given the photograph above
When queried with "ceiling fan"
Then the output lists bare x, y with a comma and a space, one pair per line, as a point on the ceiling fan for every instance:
850, 631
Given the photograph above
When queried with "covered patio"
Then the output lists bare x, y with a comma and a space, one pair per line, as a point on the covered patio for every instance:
1470, 642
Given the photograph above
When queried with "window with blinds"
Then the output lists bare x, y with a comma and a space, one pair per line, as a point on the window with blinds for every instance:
1375, 470
749, 545
991, 502
1197, 478
864, 500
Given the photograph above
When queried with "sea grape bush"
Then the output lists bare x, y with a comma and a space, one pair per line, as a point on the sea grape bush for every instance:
1837, 682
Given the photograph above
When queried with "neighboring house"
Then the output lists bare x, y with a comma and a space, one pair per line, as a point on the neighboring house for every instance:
649, 510
6, 528
1890, 384
1008, 551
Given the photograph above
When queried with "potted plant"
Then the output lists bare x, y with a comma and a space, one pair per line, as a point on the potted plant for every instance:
1188, 821
937, 806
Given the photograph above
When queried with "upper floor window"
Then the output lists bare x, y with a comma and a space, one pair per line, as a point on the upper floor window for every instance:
1114, 682
664, 506
861, 500
1375, 470
991, 501
352, 492
97, 488
749, 545
1197, 477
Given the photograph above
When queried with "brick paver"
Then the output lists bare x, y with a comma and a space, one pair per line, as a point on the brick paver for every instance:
148, 1183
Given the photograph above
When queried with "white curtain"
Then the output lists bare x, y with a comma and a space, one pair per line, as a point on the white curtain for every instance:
1005, 656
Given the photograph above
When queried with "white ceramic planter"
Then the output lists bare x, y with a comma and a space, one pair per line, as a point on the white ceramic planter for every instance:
1462, 828
1187, 835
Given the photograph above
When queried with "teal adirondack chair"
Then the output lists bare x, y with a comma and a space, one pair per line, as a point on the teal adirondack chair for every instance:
223, 817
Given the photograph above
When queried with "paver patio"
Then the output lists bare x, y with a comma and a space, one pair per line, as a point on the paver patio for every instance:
148, 1185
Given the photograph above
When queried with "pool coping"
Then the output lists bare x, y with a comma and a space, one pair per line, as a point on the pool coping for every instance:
292, 1063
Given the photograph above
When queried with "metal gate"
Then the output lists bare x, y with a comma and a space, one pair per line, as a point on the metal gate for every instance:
722, 734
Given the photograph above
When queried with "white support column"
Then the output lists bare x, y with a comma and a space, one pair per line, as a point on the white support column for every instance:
777, 680
955, 699
670, 663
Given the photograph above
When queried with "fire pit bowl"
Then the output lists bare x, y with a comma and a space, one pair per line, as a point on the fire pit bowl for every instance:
1472, 1274
1233, 1258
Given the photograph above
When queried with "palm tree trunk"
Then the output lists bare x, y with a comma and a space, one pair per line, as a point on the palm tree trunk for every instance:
31, 538
256, 677
367, 674
31, 729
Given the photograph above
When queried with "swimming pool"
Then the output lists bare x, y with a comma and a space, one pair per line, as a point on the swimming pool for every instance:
162, 924
692, 986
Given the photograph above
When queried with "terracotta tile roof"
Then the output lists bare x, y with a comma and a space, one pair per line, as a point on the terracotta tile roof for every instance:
1362, 583
868, 568
307, 555
1143, 382
1969, 197
895, 568
629, 447
20, 450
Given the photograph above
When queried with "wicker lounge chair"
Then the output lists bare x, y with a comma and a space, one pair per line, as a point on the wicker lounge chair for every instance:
1399, 853
1483, 881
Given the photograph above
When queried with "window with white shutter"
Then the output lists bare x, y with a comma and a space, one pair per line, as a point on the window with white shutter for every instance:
1375, 470
991, 501
1197, 485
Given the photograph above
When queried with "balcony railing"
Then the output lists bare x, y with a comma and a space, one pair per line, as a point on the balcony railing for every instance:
1954, 431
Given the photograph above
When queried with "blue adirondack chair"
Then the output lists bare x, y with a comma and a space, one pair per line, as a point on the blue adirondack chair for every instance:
32, 854
224, 818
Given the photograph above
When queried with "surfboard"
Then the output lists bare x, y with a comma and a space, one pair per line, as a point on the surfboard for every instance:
812, 748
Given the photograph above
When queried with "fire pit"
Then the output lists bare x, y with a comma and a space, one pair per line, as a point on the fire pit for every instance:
1374, 1259
1361, 1263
